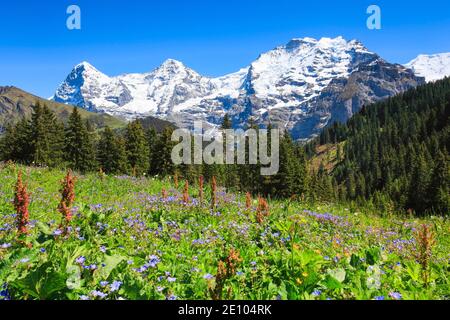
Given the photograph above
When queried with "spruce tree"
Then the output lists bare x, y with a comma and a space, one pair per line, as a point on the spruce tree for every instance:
162, 159
15, 143
111, 153
439, 189
79, 146
418, 185
45, 137
137, 148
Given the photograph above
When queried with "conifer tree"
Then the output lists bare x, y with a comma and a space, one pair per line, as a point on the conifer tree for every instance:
46, 137
15, 143
79, 146
439, 189
419, 184
162, 159
137, 148
111, 153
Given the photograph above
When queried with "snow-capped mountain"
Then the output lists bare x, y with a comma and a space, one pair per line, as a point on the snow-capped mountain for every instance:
301, 86
432, 67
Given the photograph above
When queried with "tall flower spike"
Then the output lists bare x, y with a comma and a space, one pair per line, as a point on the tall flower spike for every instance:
175, 180
186, 192
248, 200
67, 198
21, 203
262, 210
164, 194
425, 241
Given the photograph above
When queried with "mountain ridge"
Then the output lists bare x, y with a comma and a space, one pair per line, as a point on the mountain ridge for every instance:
292, 86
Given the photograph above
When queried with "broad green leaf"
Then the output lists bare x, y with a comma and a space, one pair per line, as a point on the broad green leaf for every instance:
42, 282
111, 262
73, 281
338, 274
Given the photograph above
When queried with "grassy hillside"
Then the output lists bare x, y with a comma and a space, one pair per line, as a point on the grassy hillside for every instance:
326, 155
16, 103
128, 241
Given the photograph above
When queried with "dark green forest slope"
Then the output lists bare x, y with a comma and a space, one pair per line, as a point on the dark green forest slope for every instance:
396, 150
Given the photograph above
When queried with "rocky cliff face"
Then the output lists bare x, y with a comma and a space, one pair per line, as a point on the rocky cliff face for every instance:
301, 87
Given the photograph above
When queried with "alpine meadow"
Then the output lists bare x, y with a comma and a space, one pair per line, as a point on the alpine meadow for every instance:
255, 169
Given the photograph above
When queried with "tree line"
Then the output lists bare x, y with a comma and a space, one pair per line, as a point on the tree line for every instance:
43, 140
395, 152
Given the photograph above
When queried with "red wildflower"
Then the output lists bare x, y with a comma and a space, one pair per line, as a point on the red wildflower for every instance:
262, 210
425, 240
21, 203
164, 193
248, 200
67, 198
175, 180
186, 192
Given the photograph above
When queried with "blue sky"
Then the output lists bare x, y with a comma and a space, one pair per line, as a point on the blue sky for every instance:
213, 37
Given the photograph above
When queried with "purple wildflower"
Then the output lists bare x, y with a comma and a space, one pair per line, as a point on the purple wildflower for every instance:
115, 286
98, 294
395, 295
80, 260
316, 293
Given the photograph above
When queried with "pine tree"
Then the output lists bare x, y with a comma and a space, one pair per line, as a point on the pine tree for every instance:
291, 178
230, 175
439, 188
137, 148
79, 147
152, 140
45, 137
111, 153
15, 143
418, 185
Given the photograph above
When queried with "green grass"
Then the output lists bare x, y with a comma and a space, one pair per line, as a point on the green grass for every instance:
163, 249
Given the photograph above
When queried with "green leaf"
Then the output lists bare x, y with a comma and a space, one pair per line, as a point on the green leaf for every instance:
111, 262
73, 281
44, 228
373, 255
331, 283
338, 274
42, 282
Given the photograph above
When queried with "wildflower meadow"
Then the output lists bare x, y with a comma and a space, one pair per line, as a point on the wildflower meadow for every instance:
67, 236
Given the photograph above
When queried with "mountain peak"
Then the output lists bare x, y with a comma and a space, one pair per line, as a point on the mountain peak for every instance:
325, 42
84, 66
432, 67
172, 64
